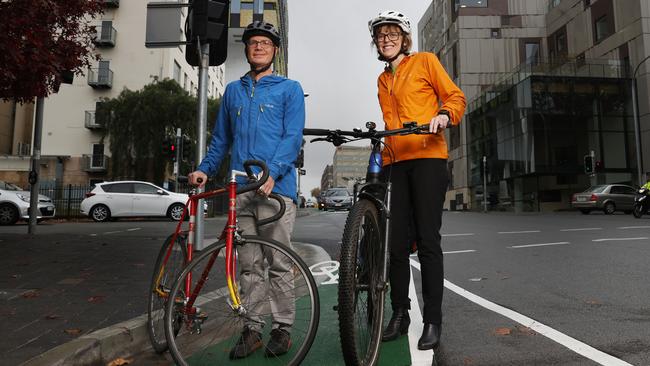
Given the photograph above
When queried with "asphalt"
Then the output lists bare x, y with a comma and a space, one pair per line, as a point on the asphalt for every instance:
68, 300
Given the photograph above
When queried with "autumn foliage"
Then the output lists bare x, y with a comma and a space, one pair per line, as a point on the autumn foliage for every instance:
41, 39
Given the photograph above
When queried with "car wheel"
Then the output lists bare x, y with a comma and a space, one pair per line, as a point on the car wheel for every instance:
175, 211
585, 212
8, 214
100, 213
609, 208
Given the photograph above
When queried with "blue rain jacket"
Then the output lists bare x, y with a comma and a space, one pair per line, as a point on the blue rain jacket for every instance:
260, 120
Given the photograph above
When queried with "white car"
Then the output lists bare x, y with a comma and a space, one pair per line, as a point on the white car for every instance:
14, 204
132, 198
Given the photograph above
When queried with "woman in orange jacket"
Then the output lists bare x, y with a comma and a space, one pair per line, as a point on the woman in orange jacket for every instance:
414, 87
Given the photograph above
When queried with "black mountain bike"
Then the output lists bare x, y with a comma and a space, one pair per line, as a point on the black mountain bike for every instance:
363, 272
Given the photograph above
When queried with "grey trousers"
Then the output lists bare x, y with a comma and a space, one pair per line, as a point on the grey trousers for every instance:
266, 276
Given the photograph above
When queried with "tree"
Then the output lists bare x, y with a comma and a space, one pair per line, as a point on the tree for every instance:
315, 192
137, 122
40, 40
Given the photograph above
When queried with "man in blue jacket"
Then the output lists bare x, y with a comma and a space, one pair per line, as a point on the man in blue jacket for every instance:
261, 117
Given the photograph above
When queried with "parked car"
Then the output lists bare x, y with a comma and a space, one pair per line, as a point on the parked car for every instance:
14, 204
606, 197
338, 199
132, 199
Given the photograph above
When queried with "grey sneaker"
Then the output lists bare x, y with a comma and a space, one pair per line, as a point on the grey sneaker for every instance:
248, 342
279, 344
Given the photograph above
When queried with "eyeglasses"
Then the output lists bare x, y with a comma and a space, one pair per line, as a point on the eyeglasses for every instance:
392, 36
265, 43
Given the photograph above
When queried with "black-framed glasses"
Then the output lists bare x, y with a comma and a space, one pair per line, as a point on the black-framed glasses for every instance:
391, 36
265, 43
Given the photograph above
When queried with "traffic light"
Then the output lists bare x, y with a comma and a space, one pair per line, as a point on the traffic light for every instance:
589, 164
300, 160
208, 23
186, 149
169, 149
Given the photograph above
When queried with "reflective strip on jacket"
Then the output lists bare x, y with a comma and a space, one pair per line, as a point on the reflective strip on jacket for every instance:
413, 93
260, 120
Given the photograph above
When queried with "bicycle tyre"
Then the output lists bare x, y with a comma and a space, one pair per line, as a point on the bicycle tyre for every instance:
361, 295
156, 303
208, 336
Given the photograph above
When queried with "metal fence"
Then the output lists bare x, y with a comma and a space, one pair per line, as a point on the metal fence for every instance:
67, 199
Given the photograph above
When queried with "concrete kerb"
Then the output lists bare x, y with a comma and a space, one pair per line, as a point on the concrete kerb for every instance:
129, 337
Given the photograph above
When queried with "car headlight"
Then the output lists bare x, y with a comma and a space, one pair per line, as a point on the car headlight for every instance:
23, 197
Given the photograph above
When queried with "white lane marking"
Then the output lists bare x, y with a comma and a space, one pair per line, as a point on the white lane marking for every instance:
583, 229
561, 338
459, 251
134, 229
633, 227
539, 245
464, 234
112, 232
619, 239
415, 330
519, 232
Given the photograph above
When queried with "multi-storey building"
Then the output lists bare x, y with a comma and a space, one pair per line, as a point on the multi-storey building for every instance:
327, 179
72, 150
548, 82
350, 165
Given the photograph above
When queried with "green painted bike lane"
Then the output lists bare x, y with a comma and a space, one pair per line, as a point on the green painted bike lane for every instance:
326, 348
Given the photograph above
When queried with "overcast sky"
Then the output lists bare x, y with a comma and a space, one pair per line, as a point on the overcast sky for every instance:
330, 54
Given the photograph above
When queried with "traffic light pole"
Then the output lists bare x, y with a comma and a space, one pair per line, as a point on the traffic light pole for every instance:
202, 118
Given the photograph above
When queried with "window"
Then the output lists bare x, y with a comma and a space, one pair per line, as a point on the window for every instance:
97, 159
185, 81
555, 3
532, 53
471, 3
177, 72
118, 188
495, 33
586, 3
104, 72
602, 28
142, 188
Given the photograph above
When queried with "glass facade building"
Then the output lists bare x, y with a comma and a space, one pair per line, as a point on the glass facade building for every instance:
536, 127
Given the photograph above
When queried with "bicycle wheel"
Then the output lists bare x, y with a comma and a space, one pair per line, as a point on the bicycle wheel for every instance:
159, 293
279, 292
361, 295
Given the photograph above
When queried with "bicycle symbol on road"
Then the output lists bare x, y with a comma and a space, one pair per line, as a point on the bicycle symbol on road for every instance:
327, 268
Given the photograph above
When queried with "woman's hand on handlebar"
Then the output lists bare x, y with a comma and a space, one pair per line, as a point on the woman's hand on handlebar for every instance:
439, 123
267, 187
197, 178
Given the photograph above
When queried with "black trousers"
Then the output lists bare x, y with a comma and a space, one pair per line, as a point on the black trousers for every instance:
418, 195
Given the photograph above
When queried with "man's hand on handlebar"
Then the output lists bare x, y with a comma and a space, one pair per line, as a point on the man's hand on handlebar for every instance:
197, 178
439, 123
267, 187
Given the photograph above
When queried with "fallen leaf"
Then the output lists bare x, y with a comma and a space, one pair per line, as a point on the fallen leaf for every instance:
502, 331
73, 331
593, 302
30, 294
52, 316
467, 361
15, 276
525, 330
477, 279
505, 277
119, 362
96, 299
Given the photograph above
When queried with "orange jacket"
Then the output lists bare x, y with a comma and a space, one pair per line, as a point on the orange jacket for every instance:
413, 93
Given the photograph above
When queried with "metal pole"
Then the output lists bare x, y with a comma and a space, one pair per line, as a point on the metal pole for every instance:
637, 125
36, 166
202, 118
177, 153
484, 183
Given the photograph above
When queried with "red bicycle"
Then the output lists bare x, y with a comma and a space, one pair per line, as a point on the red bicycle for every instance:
212, 304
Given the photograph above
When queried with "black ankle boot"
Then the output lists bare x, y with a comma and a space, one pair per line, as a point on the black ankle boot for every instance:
398, 325
430, 337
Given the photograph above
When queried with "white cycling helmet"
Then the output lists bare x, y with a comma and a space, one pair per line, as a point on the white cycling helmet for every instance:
390, 17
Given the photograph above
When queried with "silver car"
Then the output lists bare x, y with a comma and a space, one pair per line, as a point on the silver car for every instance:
607, 197
14, 204
338, 199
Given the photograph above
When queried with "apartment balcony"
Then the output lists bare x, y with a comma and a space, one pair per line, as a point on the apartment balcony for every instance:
95, 163
111, 3
90, 122
106, 35
100, 78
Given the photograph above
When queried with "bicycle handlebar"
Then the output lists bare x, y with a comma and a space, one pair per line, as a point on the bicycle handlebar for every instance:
279, 214
339, 136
